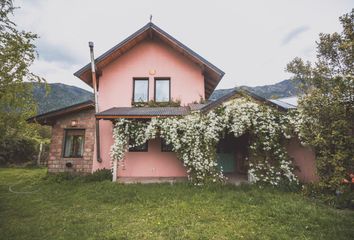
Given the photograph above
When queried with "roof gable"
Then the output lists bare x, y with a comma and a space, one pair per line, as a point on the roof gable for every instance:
212, 74
242, 92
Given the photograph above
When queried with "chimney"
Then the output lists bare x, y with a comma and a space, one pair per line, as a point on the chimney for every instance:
94, 84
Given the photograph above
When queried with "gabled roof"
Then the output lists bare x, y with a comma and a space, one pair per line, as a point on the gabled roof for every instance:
212, 74
240, 92
142, 112
49, 117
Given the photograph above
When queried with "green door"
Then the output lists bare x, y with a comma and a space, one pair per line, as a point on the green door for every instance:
227, 162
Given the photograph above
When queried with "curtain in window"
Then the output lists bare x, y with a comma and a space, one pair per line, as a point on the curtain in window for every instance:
74, 143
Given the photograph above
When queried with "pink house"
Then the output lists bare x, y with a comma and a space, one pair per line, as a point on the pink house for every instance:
148, 66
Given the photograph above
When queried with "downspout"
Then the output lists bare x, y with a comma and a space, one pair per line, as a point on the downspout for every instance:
94, 83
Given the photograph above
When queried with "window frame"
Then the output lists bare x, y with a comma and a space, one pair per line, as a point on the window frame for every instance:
64, 142
146, 149
169, 87
148, 86
164, 145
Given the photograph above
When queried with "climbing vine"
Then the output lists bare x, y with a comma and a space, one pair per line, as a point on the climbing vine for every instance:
194, 138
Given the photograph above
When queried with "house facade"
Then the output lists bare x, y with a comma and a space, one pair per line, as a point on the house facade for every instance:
149, 74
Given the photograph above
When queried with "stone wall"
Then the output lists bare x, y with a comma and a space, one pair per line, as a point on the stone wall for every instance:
56, 162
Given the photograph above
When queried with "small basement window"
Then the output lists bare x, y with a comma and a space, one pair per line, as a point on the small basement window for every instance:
74, 143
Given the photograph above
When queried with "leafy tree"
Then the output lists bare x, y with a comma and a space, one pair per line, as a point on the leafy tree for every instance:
17, 53
327, 106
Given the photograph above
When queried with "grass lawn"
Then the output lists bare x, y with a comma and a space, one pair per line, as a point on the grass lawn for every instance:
105, 210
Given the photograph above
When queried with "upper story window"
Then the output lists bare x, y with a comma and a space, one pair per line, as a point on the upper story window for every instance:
140, 89
162, 90
74, 143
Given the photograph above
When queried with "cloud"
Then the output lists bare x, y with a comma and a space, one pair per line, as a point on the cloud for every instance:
57, 73
52, 52
294, 34
253, 49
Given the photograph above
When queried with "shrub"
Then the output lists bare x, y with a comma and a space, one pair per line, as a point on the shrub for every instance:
17, 151
343, 197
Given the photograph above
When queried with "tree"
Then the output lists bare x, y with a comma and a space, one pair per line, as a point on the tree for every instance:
17, 53
327, 107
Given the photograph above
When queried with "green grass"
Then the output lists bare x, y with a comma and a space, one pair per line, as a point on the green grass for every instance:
105, 210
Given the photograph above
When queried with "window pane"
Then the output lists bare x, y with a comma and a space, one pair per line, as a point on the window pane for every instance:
141, 90
68, 146
162, 89
74, 143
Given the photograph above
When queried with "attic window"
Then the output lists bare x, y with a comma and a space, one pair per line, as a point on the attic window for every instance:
140, 89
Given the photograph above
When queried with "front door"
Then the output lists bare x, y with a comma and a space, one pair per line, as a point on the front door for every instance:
225, 155
227, 162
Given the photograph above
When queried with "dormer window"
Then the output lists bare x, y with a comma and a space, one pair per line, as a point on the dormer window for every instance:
162, 90
140, 89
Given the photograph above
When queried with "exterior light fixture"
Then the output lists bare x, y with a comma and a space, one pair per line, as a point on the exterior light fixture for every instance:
74, 123
152, 71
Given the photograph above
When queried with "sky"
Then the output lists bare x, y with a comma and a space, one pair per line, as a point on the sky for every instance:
251, 41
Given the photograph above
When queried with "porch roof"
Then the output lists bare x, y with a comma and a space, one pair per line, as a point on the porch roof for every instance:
142, 112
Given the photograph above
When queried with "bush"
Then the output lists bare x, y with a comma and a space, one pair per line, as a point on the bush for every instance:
17, 151
341, 198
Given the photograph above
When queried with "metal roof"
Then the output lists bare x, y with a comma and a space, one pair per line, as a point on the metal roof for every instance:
133, 112
282, 103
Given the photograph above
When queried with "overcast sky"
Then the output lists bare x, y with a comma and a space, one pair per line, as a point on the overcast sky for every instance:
251, 41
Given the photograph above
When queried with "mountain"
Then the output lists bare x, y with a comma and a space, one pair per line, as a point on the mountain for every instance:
58, 96
285, 88
62, 95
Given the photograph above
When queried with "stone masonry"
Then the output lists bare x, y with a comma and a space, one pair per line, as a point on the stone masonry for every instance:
56, 162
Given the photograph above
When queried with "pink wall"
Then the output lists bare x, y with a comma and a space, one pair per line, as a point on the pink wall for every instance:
304, 159
153, 163
116, 82
116, 89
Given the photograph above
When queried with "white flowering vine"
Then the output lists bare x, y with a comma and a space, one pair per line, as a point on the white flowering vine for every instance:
194, 138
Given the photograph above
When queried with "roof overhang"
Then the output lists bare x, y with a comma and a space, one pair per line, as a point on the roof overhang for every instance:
212, 74
142, 112
49, 118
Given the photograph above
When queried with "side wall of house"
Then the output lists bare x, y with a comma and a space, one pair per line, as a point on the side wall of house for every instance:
56, 162
304, 158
